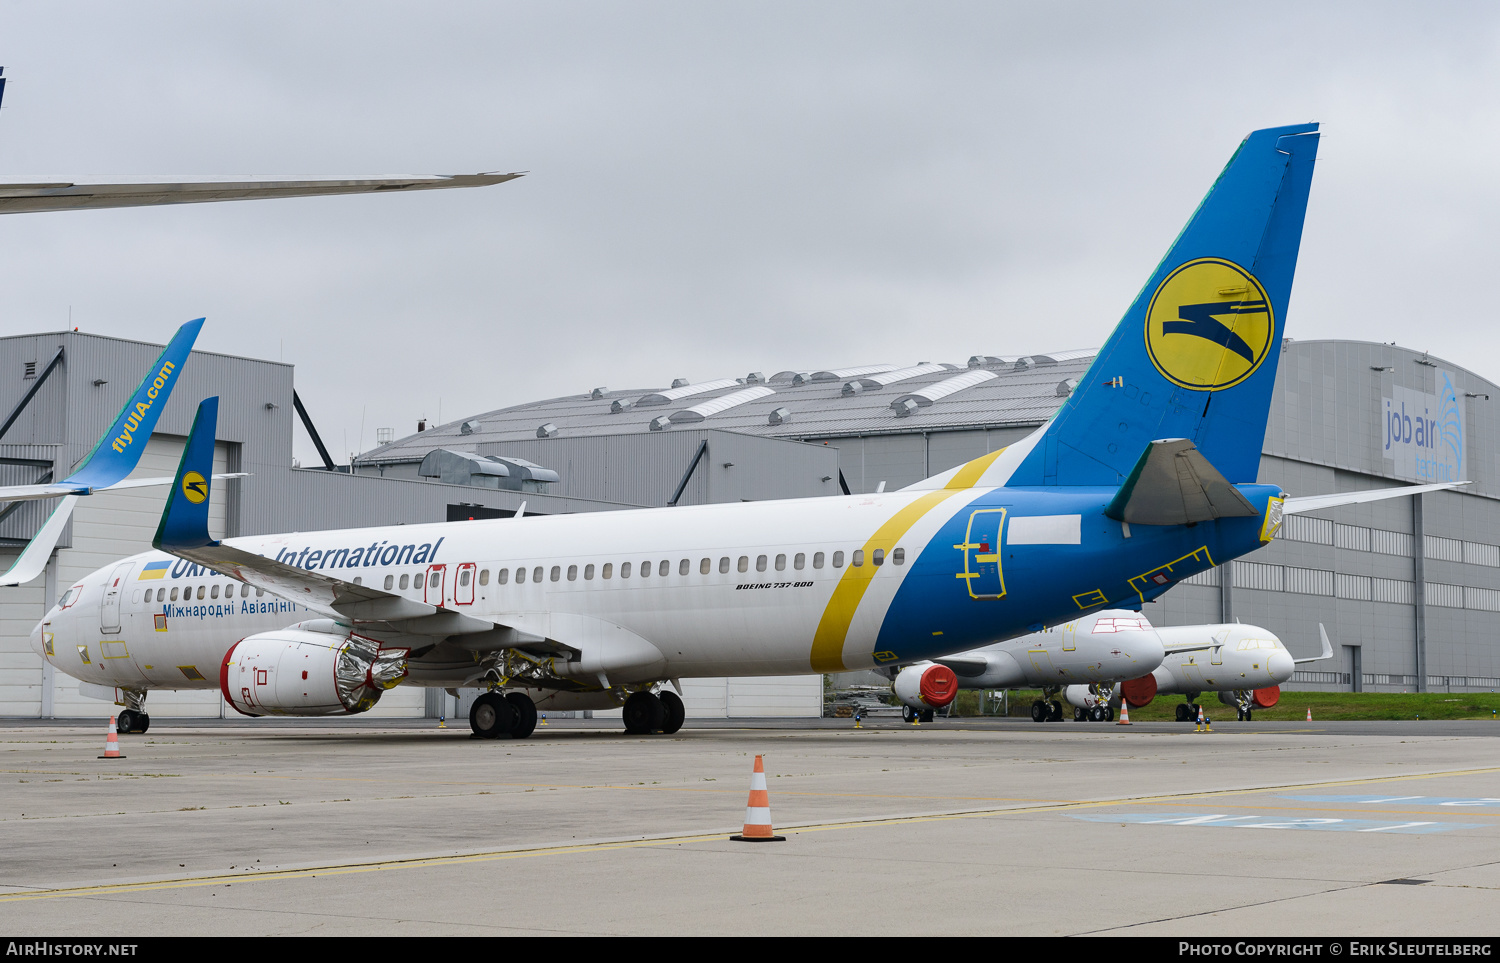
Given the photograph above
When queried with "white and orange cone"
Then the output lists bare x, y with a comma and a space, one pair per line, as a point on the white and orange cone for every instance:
112, 742
758, 811
1124, 712
1309, 713
1199, 726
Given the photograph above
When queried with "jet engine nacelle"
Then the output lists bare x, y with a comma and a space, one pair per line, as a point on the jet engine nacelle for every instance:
1140, 692
1260, 698
927, 686
1082, 698
297, 672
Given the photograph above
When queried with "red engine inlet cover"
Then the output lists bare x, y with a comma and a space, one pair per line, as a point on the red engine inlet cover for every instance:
1139, 692
1266, 698
939, 686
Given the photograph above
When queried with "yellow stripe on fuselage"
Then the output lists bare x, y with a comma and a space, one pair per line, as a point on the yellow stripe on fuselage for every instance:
833, 628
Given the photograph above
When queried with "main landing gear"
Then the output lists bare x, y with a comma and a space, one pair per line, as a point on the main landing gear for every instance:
1097, 713
649, 712
496, 714
1188, 711
909, 714
1047, 708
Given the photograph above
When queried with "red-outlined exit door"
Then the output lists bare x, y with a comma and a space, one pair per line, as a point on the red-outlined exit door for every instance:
981, 548
433, 586
463, 587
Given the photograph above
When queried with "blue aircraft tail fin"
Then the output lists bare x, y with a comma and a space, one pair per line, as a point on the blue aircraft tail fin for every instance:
184, 522
120, 450
1195, 356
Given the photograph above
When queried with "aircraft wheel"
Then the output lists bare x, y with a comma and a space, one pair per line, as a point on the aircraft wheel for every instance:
1079, 715
1249, 715
125, 721
1056, 714
1039, 712
1109, 713
908, 714
673, 712
644, 714
491, 716
525, 714
1182, 713
1096, 714
926, 715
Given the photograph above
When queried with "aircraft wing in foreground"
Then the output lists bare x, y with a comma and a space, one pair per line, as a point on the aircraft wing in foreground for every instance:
54, 195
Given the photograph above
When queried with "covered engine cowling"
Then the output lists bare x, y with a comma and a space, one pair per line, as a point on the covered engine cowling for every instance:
296, 672
1267, 697
1082, 697
929, 686
1139, 692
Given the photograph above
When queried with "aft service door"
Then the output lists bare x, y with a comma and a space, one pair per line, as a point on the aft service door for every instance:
981, 548
463, 588
109, 606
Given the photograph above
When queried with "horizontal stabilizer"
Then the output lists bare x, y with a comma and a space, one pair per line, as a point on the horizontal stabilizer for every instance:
1313, 503
1173, 484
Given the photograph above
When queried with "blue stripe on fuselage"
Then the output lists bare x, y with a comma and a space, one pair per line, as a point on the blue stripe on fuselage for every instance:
1041, 581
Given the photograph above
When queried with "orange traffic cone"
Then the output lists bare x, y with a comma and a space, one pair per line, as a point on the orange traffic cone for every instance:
112, 742
1199, 726
758, 811
1124, 712
1309, 713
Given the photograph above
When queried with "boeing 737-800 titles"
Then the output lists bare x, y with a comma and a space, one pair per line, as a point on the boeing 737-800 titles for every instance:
1145, 476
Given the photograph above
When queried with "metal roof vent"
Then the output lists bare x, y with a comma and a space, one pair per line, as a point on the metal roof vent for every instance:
661, 422
755, 378
1022, 364
468, 428
549, 430
622, 404
905, 407
786, 377
852, 388
780, 416
599, 394
680, 382
1065, 387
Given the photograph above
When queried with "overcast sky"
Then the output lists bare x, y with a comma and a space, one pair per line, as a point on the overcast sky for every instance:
716, 188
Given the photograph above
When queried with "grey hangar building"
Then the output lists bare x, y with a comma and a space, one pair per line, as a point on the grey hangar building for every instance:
1408, 588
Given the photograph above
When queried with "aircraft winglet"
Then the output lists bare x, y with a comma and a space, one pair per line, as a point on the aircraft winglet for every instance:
120, 450
184, 523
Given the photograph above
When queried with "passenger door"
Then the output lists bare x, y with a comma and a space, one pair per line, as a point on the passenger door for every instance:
434, 584
109, 605
463, 589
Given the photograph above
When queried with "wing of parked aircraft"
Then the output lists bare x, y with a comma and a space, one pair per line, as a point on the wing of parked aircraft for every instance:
1311, 503
1327, 652
54, 195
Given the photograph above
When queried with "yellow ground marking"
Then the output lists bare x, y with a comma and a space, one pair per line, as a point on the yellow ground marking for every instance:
347, 869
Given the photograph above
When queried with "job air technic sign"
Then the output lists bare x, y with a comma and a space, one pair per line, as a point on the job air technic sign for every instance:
1422, 435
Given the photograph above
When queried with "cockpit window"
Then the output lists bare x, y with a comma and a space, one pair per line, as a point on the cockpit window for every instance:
70, 596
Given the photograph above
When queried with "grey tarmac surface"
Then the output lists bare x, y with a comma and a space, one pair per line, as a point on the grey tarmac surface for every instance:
359, 827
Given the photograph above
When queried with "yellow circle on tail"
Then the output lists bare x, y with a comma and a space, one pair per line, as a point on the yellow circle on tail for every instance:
1210, 325
194, 488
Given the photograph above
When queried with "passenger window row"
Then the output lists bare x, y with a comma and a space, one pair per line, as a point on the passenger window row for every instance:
210, 591
650, 568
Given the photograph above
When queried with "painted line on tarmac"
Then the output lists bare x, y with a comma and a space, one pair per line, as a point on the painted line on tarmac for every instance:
1317, 823
643, 842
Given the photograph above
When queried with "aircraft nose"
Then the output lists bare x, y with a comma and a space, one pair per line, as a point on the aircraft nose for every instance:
1153, 651
36, 640
1281, 666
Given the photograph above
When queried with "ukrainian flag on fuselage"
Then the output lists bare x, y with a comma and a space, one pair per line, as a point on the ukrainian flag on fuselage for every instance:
154, 570
1195, 356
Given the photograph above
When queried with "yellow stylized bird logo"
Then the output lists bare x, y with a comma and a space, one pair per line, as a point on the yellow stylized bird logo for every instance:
194, 488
